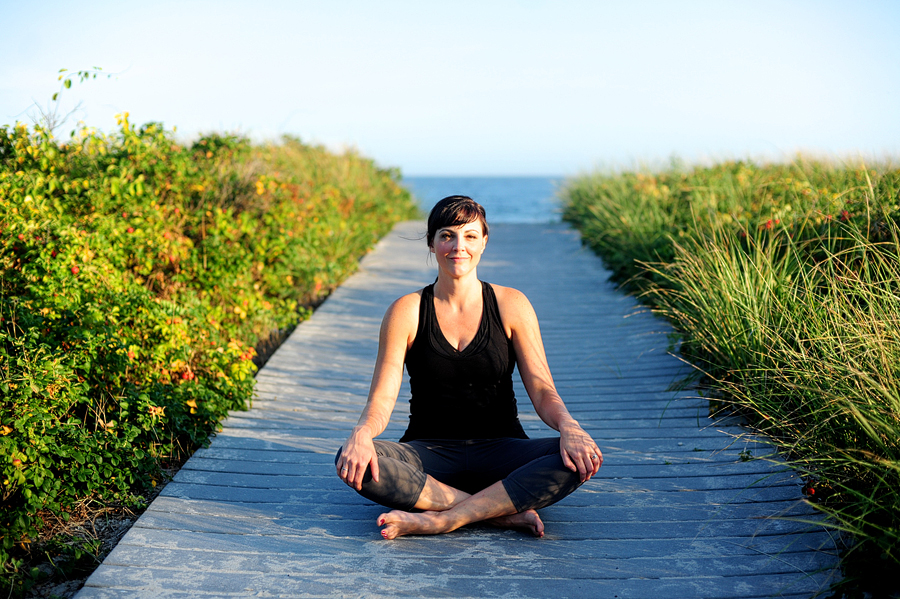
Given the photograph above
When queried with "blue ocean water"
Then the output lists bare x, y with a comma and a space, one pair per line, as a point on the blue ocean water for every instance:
505, 199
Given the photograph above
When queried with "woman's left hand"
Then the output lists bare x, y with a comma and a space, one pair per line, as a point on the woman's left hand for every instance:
579, 452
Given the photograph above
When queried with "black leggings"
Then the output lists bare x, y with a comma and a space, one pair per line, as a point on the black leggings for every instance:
531, 470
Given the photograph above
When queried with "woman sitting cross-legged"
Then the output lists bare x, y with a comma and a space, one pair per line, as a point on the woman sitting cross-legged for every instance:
464, 457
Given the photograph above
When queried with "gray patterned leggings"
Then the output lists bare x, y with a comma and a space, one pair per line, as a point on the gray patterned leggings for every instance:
531, 470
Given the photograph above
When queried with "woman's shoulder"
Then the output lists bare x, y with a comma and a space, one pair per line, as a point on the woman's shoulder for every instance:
408, 301
401, 320
509, 295
405, 308
514, 305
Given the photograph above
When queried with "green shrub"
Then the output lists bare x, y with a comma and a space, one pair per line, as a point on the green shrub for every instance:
136, 276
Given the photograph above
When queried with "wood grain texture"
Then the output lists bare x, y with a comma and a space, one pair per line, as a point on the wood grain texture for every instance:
677, 510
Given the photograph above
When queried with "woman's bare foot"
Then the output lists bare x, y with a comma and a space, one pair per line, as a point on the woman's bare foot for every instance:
397, 523
527, 520
492, 503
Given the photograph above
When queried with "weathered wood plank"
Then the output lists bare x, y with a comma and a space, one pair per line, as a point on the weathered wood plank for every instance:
615, 510
449, 579
678, 509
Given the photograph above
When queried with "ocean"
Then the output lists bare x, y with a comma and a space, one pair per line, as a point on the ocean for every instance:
505, 199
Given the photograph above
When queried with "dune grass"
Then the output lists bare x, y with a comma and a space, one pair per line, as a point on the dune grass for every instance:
784, 283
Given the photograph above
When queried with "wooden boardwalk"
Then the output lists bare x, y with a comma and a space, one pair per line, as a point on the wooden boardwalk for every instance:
674, 512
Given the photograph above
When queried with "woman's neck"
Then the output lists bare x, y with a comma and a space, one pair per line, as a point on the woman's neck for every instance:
458, 291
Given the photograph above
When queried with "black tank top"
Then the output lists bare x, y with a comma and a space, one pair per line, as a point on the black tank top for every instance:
464, 394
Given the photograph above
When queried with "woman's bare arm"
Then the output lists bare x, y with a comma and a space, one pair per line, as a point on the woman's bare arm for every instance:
398, 329
578, 450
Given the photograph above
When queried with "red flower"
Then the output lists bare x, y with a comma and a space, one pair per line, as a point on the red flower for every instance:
769, 224
75, 270
21, 237
131, 229
845, 216
187, 375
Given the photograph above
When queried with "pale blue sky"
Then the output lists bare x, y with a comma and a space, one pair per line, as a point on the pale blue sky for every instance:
486, 87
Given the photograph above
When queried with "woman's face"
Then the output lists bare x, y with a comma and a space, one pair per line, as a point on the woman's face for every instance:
458, 249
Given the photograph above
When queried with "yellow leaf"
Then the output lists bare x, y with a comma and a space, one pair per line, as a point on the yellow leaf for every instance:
5, 430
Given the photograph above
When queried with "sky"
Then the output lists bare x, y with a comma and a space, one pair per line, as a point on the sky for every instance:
505, 87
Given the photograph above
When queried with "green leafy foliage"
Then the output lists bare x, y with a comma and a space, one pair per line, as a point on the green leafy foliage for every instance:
136, 276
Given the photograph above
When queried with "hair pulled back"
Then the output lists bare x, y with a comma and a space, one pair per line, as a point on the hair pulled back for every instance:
453, 211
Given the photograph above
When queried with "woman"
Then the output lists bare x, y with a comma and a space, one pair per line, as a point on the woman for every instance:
464, 457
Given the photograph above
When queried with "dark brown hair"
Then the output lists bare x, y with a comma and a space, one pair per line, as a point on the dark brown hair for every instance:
453, 211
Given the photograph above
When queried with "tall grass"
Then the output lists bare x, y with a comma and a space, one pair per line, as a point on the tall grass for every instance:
784, 281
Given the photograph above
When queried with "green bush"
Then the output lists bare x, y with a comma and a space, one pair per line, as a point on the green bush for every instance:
136, 276
784, 282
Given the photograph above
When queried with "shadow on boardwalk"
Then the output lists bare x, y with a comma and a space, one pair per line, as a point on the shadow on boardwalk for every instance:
674, 511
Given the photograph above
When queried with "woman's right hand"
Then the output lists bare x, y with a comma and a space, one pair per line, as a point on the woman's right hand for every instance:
398, 329
358, 455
